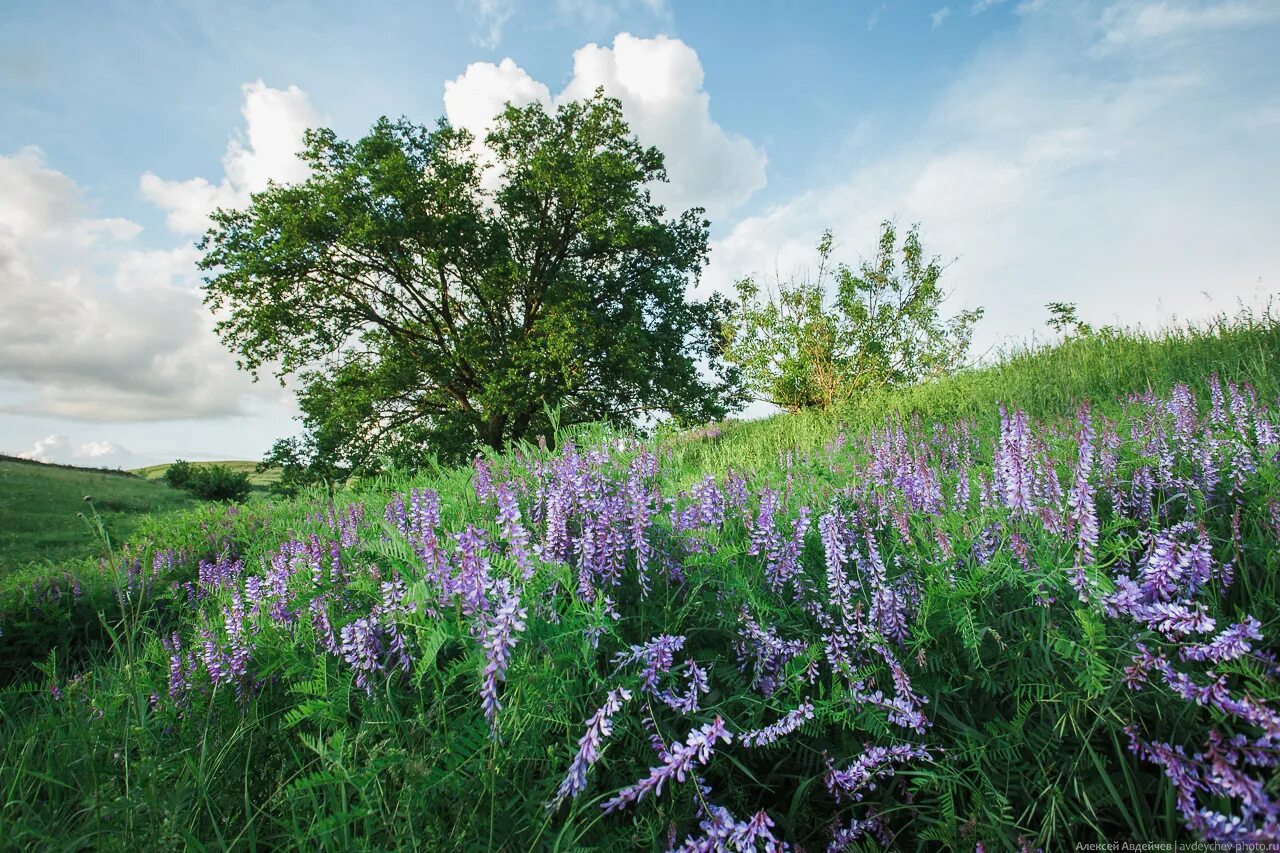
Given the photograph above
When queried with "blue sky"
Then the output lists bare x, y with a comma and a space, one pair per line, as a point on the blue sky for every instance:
1120, 154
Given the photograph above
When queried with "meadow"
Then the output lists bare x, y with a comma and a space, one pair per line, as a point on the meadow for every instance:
1021, 607
43, 509
260, 480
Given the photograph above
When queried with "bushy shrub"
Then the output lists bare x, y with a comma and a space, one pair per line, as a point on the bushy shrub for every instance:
179, 474
881, 327
219, 483
209, 482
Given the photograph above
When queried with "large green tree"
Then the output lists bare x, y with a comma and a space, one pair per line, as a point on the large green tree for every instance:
428, 294
844, 332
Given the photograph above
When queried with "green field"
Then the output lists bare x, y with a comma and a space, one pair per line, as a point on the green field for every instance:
261, 480
41, 509
918, 623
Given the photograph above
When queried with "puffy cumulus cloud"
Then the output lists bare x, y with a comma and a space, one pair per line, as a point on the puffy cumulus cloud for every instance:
475, 98
59, 449
38, 201
51, 448
659, 82
1061, 167
274, 122
93, 327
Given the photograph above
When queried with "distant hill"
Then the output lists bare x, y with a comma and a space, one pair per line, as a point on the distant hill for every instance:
4, 457
260, 479
40, 502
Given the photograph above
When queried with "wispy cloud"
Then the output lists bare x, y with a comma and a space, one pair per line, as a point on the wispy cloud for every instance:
492, 17
1127, 181
874, 18
1136, 22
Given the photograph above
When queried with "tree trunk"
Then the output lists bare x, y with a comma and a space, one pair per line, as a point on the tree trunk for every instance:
493, 431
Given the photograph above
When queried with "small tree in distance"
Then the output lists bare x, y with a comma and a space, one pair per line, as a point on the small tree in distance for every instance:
882, 327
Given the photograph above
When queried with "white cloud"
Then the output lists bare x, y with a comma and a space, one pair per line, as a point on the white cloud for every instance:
1128, 182
659, 82
476, 97
59, 449
94, 327
606, 13
939, 16
51, 448
1133, 22
275, 120
492, 16
874, 17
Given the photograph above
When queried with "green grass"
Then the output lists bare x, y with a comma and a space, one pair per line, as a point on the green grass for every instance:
260, 480
1025, 682
1047, 380
41, 509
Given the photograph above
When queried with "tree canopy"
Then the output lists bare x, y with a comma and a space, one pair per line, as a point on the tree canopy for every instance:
882, 326
427, 293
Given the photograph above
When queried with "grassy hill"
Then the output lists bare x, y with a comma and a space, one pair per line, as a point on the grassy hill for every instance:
260, 479
40, 507
922, 622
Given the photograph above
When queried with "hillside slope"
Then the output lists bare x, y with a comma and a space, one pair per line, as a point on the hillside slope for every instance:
1031, 627
40, 507
259, 479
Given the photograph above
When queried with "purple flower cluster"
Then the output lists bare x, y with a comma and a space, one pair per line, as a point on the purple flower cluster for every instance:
657, 656
688, 702
770, 734
598, 520
876, 763
599, 726
722, 831
764, 652
507, 620
681, 758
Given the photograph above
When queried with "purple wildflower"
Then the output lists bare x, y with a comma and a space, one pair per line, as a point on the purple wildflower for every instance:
500, 637
875, 763
789, 723
513, 529
599, 726
697, 749
1232, 643
721, 831
689, 702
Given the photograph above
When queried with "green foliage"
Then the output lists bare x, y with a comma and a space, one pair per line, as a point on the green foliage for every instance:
1044, 380
219, 483
1065, 320
427, 298
214, 482
881, 329
179, 474
261, 476
1026, 696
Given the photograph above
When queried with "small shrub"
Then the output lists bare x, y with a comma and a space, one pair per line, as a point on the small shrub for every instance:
219, 483
179, 474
